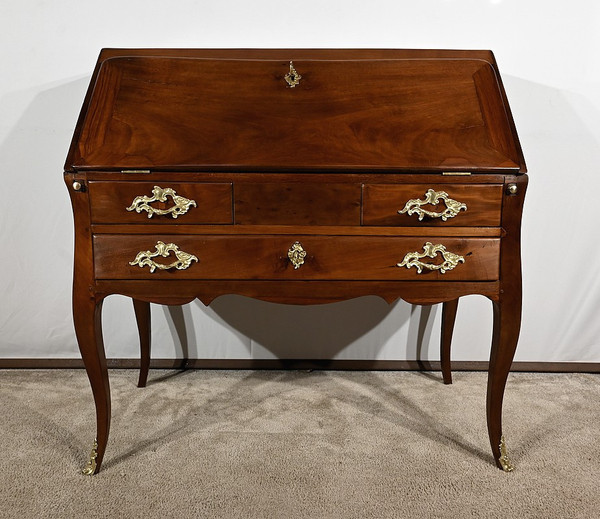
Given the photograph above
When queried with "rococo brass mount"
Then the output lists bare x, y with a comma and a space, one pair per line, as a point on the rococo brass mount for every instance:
413, 259
433, 197
90, 466
144, 258
296, 254
142, 203
504, 460
292, 78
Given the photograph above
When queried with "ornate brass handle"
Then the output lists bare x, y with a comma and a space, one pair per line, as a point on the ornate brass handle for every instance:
142, 203
412, 259
296, 254
144, 258
432, 197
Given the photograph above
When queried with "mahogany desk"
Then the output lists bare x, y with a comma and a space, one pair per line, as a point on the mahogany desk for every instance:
296, 176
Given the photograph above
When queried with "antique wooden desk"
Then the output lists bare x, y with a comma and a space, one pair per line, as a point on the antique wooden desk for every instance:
296, 176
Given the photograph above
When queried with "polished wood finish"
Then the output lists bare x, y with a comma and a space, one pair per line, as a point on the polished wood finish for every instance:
507, 312
381, 203
327, 257
87, 318
299, 230
281, 203
298, 177
449, 309
434, 104
213, 202
142, 317
328, 164
178, 292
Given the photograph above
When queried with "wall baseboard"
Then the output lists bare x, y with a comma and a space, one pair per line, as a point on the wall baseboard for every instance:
302, 364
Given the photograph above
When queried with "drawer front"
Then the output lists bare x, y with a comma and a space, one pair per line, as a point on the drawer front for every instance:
297, 204
161, 202
438, 204
278, 258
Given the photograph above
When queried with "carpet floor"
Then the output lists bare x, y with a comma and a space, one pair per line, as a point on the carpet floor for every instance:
290, 444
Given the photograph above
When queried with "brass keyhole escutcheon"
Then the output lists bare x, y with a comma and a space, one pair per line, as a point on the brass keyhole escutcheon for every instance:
296, 255
292, 77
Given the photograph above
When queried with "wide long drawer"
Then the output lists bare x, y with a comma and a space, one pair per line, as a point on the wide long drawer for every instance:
289, 257
161, 202
432, 204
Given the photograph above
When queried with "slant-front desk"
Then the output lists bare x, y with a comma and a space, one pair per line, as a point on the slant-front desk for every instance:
300, 177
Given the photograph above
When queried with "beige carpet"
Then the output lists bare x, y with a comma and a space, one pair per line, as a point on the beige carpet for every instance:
242, 444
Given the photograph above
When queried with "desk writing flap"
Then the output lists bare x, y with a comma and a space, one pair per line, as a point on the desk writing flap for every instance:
188, 113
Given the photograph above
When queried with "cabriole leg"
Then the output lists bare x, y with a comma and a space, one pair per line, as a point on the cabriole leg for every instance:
142, 316
448, 318
507, 321
507, 315
88, 328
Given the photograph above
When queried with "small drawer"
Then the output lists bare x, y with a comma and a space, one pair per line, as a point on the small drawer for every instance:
161, 202
297, 204
286, 257
413, 205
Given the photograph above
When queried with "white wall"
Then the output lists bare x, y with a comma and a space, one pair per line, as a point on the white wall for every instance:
547, 52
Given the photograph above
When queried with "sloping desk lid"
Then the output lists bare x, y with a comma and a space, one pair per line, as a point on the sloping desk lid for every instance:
188, 112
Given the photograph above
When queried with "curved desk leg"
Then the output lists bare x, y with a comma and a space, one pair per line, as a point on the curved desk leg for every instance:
142, 316
507, 315
88, 328
448, 318
507, 319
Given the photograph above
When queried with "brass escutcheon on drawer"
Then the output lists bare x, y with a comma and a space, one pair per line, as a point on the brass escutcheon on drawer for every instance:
142, 203
292, 78
296, 254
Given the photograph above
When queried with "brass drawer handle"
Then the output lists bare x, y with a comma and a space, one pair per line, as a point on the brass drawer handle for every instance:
433, 197
142, 203
144, 258
412, 259
296, 254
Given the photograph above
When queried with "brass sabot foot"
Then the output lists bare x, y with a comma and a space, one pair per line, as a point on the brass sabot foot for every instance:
504, 460
90, 467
